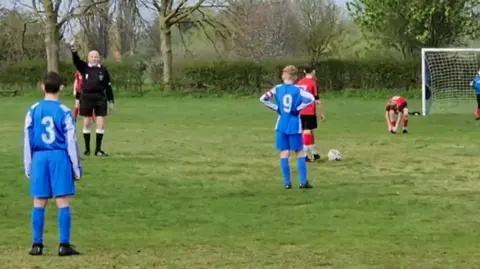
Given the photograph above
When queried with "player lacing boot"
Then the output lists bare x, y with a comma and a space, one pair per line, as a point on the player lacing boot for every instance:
67, 250
37, 250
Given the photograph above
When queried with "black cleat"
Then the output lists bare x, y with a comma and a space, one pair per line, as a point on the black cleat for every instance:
86, 153
67, 250
288, 186
101, 153
37, 250
316, 157
305, 186
405, 131
393, 132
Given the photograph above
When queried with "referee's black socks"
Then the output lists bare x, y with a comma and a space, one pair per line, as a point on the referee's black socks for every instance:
98, 146
86, 137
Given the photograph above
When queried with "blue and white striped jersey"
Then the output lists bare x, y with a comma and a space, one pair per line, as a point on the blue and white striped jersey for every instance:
49, 126
289, 100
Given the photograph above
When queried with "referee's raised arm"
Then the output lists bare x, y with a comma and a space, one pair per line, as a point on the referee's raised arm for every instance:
79, 63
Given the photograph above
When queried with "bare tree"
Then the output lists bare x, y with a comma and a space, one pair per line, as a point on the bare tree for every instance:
171, 13
128, 20
321, 22
263, 28
95, 28
54, 14
21, 37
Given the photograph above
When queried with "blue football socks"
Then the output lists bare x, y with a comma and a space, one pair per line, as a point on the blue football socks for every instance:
302, 170
64, 223
285, 168
38, 220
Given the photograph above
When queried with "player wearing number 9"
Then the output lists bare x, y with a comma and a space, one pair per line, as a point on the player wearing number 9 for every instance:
51, 162
289, 100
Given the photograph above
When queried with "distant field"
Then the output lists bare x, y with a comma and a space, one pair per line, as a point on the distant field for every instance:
194, 183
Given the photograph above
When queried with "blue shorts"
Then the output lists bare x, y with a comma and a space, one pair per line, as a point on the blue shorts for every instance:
51, 174
288, 142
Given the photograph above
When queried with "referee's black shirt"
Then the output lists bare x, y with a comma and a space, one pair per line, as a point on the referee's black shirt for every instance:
96, 79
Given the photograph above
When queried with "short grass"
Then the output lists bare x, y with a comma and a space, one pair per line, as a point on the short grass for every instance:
194, 183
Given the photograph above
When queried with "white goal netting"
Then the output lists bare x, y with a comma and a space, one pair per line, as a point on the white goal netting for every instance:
446, 78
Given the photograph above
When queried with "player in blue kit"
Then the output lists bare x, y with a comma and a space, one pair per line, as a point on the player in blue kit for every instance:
51, 162
289, 100
475, 83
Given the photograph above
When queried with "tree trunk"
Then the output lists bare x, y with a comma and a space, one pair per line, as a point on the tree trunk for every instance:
166, 48
52, 37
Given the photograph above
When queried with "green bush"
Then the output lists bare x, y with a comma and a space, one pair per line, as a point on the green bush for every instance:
126, 76
333, 75
239, 77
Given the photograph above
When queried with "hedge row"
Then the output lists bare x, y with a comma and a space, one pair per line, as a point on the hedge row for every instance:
238, 76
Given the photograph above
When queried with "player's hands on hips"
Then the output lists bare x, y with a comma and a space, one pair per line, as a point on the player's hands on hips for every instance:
294, 112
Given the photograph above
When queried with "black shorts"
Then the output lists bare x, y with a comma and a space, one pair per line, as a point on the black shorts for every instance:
478, 100
77, 95
88, 106
309, 122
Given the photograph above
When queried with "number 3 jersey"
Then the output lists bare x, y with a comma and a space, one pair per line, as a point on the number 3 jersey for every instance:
289, 100
49, 126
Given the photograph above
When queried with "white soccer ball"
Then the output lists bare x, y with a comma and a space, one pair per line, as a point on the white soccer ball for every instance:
334, 155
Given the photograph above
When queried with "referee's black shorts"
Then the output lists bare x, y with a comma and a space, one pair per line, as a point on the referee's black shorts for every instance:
93, 105
309, 122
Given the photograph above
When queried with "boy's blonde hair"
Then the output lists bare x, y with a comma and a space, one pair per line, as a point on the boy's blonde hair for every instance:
290, 72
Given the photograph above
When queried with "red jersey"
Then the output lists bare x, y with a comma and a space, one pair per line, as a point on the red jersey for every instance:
79, 80
309, 85
396, 103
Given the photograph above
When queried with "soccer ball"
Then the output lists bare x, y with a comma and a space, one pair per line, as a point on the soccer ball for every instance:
333, 155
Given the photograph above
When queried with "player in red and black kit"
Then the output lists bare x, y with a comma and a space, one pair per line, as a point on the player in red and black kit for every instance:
395, 111
77, 90
308, 115
77, 87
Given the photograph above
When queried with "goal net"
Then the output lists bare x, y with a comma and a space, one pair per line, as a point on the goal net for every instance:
446, 77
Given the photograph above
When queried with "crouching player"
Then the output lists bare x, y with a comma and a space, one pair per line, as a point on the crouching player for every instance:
308, 115
476, 85
395, 111
289, 100
51, 163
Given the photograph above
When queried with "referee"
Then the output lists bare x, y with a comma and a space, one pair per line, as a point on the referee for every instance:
96, 96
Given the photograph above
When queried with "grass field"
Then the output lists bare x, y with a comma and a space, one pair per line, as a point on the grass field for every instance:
194, 183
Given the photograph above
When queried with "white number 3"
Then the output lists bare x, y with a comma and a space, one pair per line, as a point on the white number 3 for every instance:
287, 103
49, 136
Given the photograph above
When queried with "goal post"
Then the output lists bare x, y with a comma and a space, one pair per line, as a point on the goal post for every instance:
446, 77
